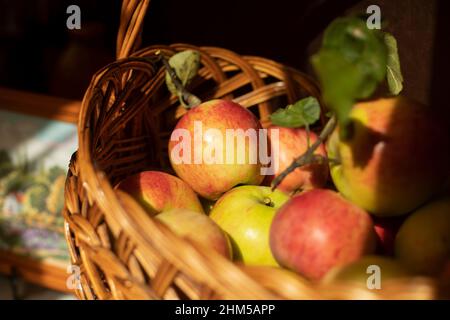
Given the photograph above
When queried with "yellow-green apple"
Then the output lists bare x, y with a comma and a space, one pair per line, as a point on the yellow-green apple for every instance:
159, 191
245, 213
318, 230
197, 227
386, 229
395, 158
423, 242
292, 143
214, 147
369, 272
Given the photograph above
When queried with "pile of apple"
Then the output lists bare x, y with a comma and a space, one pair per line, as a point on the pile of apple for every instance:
385, 205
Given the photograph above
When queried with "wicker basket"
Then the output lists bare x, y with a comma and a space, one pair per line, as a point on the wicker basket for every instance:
124, 125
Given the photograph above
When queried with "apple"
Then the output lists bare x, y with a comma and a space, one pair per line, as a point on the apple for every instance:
292, 143
318, 230
203, 131
386, 229
159, 191
362, 271
395, 159
423, 241
197, 227
245, 213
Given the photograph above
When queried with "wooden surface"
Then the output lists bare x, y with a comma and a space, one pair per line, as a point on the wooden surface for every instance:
34, 271
39, 105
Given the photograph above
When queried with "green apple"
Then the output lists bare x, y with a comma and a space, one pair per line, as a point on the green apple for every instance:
395, 159
423, 241
246, 213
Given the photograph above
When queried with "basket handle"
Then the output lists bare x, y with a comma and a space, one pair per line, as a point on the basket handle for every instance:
130, 29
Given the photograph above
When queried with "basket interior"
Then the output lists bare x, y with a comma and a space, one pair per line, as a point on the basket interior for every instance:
133, 113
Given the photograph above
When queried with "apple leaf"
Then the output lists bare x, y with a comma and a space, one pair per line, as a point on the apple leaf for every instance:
394, 73
186, 64
300, 114
350, 65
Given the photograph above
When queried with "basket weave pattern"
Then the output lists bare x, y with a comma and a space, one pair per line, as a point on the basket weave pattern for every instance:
125, 122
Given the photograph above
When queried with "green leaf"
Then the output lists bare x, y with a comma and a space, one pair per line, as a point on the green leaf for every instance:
350, 65
300, 114
394, 73
186, 64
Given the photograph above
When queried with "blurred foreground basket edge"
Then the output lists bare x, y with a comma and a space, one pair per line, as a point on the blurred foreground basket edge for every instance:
124, 125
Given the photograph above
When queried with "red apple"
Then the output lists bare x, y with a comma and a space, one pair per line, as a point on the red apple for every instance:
318, 230
158, 191
199, 152
197, 227
292, 143
395, 159
386, 230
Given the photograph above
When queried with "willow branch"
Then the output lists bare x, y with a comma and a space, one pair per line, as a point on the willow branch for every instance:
308, 157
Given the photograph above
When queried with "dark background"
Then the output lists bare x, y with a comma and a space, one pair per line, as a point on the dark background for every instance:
38, 53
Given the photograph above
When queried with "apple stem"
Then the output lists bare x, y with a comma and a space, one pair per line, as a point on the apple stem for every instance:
187, 99
308, 157
268, 202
